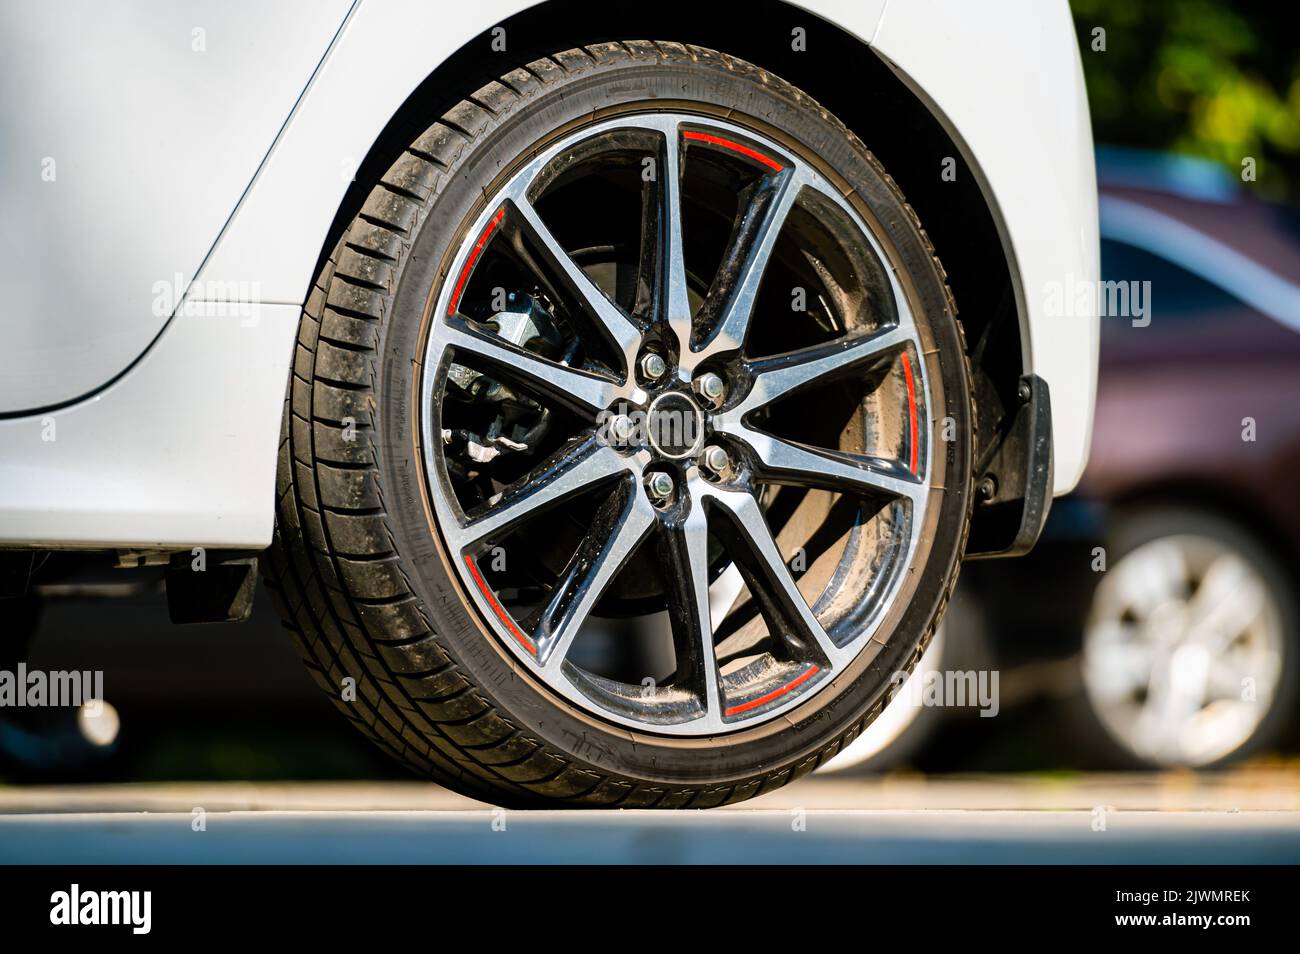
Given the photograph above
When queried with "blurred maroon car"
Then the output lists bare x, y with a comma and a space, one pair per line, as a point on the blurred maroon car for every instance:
1190, 643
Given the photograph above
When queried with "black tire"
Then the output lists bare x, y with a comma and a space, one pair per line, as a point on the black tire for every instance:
961, 644
902, 749
1134, 528
359, 574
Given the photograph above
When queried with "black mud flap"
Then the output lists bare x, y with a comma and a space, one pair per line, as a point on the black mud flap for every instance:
1014, 487
212, 587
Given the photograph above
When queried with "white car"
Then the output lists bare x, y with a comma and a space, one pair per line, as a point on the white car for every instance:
590, 384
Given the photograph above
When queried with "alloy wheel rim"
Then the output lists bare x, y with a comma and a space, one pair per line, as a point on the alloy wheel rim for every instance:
1177, 625
706, 503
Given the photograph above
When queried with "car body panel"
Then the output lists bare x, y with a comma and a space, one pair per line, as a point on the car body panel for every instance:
1009, 88
1035, 162
129, 132
181, 452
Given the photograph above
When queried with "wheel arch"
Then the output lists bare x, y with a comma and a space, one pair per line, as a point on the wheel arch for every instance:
900, 127
895, 123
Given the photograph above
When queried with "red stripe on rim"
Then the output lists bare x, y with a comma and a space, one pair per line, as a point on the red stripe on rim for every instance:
775, 693
737, 147
473, 257
496, 607
911, 408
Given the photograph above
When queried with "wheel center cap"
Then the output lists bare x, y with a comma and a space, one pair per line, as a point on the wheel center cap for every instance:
675, 425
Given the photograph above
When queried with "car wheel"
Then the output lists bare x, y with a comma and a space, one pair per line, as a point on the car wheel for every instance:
637, 347
1189, 650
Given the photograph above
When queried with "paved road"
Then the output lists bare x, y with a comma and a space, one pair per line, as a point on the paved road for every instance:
1147, 819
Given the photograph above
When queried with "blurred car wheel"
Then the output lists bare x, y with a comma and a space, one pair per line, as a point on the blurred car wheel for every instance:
1189, 651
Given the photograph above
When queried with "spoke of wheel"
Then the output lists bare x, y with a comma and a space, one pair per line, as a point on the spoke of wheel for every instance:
745, 260
685, 553
1226, 679
584, 393
618, 326
1153, 575
770, 579
785, 462
1120, 663
785, 374
676, 303
618, 528
1228, 601
1174, 697
576, 468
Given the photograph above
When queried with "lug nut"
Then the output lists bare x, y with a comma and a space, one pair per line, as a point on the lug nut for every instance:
621, 428
653, 366
717, 461
660, 486
711, 387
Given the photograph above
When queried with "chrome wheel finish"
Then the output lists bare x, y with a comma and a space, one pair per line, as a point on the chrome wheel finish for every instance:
676, 462
1183, 650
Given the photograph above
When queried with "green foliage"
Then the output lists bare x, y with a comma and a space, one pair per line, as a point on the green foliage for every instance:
1208, 78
